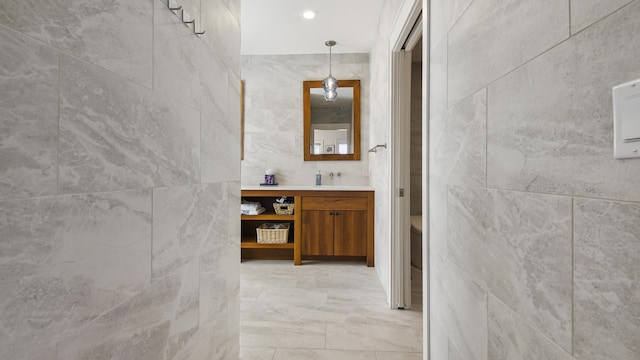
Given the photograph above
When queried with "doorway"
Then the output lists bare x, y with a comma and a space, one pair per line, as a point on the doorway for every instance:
409, 179
415, 176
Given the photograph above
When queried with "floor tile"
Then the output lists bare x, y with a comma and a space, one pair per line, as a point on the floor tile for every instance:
305, 335
376, 337
293, 296
298, 354
324, 310
398, 356
263, 311
256, 353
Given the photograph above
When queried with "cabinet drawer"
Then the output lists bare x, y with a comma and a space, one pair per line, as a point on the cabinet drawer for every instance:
334, 203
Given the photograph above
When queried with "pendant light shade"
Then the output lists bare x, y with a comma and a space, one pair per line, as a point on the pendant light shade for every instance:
330, 84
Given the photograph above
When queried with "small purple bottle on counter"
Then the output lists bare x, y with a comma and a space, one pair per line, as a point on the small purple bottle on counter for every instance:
269, 177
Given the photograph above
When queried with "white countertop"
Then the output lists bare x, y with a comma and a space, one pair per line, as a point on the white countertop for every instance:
310, 187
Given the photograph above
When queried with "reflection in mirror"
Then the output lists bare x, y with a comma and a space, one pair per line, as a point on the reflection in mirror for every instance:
332, 123
332, 129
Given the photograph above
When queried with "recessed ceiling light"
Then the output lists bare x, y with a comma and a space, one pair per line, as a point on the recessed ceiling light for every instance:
309, 14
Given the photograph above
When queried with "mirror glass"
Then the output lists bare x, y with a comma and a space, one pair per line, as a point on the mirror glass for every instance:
332, 129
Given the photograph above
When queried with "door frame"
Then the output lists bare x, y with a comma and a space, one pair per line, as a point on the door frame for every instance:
400, 239
400, 83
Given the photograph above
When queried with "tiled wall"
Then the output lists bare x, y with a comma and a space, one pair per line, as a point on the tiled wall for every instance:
534, 226
274, 118
379, 133
119, 180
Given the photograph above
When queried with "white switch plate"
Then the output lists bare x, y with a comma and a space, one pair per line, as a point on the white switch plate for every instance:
626, 120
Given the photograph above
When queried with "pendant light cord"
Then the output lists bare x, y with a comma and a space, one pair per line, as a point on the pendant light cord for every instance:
330, 60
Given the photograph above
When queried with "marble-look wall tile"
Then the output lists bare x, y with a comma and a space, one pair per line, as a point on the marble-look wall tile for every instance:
452, 352
492, 38
587, 12
115, 35
438, 308
438, 342
438, 287
438, 103
223, 31
274, 120
184, 315
233, 209
350, 173
550, 120
191, 240
53, 259
554, 287
444, 14
175, 53
220, 157
145, 344
220, 253
285, 165
185, 68
136, 329
215, 78
184, 219
279, 120
607, 254
153, 325
115, 130
518, 246
190, 8
115, 135
220, 273
29, 116
379, 167
512, 338
458, 150
213, 341
437, 220
468, 315
234, 6
378, 133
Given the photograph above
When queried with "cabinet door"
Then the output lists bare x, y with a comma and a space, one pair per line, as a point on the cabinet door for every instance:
350, 233
317, 232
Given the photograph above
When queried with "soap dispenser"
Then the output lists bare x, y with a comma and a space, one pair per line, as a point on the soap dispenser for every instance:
318, 178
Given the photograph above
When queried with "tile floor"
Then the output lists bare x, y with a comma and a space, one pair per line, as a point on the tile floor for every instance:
324, 311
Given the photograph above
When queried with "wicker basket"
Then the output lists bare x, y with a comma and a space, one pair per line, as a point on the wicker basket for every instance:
283, 209
273, 233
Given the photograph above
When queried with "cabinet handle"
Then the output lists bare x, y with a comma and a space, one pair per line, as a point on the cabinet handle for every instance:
337, 213
330, 212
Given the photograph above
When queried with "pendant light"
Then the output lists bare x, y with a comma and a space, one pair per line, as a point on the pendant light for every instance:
330, 84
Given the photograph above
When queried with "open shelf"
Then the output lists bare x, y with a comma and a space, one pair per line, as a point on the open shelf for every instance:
252, 243
249, 243
268, 217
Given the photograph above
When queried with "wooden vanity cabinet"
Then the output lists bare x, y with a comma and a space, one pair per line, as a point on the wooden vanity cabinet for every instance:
325, 224
338, 225
334, 232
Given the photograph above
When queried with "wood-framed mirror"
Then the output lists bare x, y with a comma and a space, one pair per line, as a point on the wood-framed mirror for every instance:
331, 129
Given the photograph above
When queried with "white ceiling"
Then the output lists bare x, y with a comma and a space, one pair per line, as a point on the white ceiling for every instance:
277, 26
